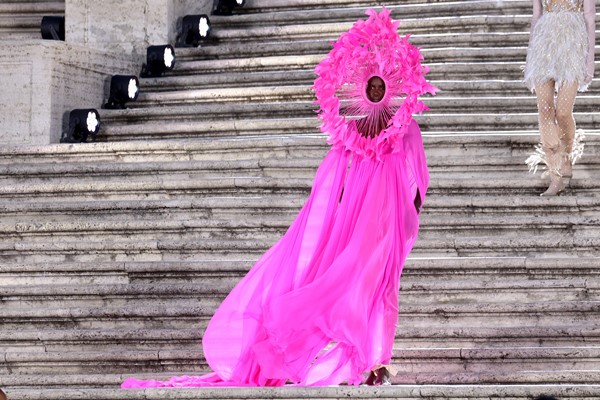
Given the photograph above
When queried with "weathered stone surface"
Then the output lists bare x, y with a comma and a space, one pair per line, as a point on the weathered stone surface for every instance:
45, 80
129, 26
412, 392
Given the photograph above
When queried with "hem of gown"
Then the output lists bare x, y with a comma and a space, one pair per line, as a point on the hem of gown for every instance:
531, 83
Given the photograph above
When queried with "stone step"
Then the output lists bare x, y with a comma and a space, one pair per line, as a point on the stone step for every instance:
431, 122
230, 148
293, 147
527, 388
414, 292
141, 171
265, 211
282, 102
457, 144
479, 57
194, 313
192, 270
332, 30
570, 242
97, 340
266, 6
459, 183
269, 46
507, 82
18, 216
497, 337
248, 16
49, 381
497, 88
291, 99
422, 318
510, 57
476, 70
455, 360
270, 228
277, 155
225, 79
232, 206
201, 208
261, 46
440, 167
416, 289
118, 273
252, 75
256, 57
274, 102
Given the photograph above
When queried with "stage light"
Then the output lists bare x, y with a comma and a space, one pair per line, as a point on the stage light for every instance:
158, 60
123, 88
194, 29
225, 7
82, 123
53, 28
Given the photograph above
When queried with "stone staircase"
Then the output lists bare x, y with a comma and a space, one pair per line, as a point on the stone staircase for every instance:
114, 255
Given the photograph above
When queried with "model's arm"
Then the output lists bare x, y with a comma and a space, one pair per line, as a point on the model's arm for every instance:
589, 13
537, 13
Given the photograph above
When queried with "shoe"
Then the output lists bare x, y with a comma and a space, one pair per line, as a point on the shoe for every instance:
556, 187
384, 377
379, 377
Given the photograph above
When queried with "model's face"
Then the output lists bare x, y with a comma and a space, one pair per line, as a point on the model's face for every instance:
375, 89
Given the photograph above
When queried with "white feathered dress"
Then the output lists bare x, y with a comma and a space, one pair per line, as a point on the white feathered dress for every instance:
561, 45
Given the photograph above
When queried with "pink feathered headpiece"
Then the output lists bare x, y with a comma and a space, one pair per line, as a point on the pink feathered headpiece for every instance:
370, 48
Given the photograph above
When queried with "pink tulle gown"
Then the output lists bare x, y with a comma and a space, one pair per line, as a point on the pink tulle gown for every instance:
321, 306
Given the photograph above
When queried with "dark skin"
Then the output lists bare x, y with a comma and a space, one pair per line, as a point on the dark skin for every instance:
375, 89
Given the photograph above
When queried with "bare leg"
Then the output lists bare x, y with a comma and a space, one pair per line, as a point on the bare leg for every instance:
564, 116
417, 201
550, 136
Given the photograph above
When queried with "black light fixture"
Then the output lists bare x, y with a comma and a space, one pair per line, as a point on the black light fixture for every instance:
123, 88
158, 60
194, 29
53, 28
82, 123
225, 7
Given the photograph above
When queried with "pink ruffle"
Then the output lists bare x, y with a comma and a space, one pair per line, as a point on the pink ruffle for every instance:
371, 47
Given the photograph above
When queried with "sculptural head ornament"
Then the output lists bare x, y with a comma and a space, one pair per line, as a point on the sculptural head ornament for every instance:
370, 49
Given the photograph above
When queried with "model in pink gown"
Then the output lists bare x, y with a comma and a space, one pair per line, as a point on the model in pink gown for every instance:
321, 306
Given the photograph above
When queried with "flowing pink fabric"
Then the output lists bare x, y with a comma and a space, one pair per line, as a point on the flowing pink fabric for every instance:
321, 306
